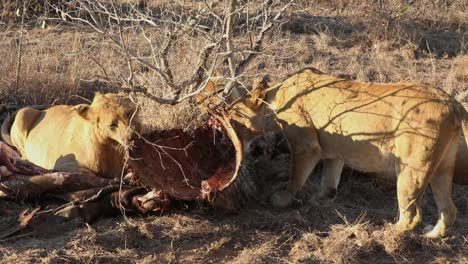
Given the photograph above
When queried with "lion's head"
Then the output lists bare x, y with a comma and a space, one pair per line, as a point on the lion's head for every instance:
212, 94
210, 97
114, 116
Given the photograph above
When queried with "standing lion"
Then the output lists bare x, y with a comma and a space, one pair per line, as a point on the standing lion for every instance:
404, 129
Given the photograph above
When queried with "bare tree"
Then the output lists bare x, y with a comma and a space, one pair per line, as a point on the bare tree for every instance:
221, 25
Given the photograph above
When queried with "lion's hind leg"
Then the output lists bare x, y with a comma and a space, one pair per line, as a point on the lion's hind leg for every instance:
410, 188
423, 160
416, 165
441, 185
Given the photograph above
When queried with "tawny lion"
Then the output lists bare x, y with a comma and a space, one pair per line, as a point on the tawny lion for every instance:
75, 138
406, 129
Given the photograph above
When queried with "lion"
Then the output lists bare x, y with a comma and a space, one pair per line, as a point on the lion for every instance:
76, 138
407, 130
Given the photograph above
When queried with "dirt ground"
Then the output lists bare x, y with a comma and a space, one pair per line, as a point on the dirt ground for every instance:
387, 42
354, 228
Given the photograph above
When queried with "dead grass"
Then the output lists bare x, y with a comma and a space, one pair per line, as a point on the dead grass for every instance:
345, 243
261, 253
349, 230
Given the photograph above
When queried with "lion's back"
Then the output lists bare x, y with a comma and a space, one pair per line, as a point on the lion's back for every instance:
361, 122
49, 138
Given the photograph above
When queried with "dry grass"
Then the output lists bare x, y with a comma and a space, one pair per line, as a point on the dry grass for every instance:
352, 229
363, 40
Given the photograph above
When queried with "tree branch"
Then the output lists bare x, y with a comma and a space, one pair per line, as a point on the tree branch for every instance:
256, 48
259, 40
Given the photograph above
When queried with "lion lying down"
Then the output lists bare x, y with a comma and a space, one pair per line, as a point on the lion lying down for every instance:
405, 129
75, 138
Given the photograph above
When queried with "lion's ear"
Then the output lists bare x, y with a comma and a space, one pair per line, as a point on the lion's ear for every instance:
208, 91
98, 97
82, 110
210, 88
258, 92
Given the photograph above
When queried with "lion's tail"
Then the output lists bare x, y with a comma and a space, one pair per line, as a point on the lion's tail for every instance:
5, 129
461, 164
465, 128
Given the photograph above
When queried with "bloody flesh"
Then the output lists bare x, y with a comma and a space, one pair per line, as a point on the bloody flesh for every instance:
188, 166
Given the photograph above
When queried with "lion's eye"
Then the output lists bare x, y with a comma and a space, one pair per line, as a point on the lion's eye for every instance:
114, 125
129, 115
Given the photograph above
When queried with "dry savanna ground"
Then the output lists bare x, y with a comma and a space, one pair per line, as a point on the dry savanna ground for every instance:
379, 41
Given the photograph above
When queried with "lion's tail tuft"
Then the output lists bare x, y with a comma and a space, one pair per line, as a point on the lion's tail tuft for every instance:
461, 174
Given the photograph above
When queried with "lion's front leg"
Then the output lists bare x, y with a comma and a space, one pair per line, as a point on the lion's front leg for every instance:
306, 153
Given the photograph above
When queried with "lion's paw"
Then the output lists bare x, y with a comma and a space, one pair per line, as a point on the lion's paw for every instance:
433, 232
427, 229
282, 199
328, 195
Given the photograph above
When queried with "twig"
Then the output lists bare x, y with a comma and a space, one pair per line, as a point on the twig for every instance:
129, 80
229, 48
256, 48
20, 46
100, 67
164, 51
259, 40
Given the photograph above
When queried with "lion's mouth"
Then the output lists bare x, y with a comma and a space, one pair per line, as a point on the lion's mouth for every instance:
194, 165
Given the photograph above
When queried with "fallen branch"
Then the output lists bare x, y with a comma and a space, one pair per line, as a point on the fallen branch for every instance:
23, 186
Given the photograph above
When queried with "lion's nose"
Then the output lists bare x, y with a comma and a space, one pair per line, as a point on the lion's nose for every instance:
132, 134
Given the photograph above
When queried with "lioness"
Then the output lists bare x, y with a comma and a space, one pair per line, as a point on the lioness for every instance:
406, 129
75, 138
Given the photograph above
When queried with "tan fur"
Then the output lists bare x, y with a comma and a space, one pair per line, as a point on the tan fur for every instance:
74, 138
460, 175
403, 129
